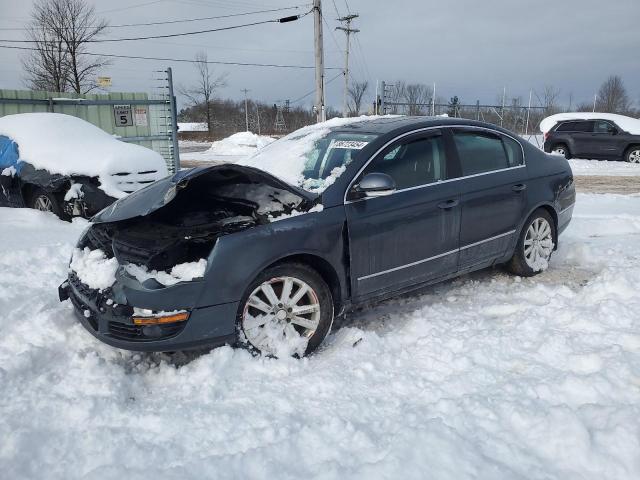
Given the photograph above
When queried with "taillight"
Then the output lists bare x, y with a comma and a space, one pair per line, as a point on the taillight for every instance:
546, 135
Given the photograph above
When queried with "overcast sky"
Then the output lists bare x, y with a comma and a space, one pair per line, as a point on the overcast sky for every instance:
470, 48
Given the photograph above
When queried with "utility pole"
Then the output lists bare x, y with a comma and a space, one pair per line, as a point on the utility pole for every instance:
246, 110
317, 21
348, 31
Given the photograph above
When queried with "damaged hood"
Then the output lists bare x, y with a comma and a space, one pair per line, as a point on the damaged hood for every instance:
162, 192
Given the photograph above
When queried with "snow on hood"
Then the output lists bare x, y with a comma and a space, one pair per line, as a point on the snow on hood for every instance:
67, 145
285, 158
629, 124
242, 143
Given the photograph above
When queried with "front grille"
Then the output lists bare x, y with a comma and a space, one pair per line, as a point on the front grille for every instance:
125, 331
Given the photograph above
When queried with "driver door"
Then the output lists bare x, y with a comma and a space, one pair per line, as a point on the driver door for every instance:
411, 235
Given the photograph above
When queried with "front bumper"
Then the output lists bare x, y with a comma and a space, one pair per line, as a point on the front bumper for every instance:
108, 318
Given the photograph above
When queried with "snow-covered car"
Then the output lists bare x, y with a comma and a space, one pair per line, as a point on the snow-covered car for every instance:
268, 252
601, 136
62, 164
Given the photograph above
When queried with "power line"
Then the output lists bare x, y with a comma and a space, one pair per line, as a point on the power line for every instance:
183, 34
314, 91
185, 60
168, 22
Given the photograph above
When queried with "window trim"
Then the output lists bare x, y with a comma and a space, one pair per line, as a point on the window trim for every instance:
440, 182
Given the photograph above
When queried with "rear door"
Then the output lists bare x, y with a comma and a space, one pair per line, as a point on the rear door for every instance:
410, 236
604, 141
493, 190
582, 139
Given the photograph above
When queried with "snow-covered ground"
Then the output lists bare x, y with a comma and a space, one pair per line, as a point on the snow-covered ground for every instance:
487, 376
192, 127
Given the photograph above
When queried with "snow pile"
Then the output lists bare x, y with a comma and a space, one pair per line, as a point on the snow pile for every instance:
286, 159
240, 144
192, 127
68, 145
629, 124
183, 272
487, 376
93, 268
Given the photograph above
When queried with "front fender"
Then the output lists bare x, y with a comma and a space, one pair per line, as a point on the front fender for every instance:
238, 258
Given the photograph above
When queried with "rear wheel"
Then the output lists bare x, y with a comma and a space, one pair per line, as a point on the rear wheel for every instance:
633, 155
286, 311
561, 149
46, 202
535, 245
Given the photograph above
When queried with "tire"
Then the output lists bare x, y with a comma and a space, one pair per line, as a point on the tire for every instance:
632, 155
525, 264
561, 149
46, 202
274, 329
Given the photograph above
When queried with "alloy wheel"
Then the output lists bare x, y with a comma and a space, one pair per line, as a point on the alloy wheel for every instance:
538, 244
280, 316
43, 203
634, 156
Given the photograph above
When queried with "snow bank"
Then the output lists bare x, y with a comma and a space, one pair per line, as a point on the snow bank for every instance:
631, 125
93, 268
242, 143
183, 272
285, 158
192, 127
68, 145
487, 376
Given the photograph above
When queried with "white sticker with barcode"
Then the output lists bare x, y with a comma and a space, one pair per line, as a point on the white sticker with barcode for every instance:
348, 144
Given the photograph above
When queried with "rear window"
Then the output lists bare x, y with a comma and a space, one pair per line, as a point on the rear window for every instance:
480, 152
575, 127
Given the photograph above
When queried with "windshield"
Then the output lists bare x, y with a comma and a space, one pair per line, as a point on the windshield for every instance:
311, 158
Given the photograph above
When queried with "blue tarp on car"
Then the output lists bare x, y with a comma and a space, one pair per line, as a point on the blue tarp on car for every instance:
8, 154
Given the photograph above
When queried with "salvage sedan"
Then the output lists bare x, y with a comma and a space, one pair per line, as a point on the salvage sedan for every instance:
265, 254
61, 164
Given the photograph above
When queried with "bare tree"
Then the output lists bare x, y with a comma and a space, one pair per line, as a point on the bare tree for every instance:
612, 96
61, 31
204, 90
417, 95
549, 99
356, 91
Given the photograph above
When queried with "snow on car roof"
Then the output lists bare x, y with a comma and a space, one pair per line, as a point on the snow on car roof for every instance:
67, 145
629, 124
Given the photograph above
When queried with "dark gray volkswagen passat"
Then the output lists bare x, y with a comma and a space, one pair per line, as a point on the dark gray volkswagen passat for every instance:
327, 218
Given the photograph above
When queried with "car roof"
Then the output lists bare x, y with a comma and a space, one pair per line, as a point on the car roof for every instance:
392, 124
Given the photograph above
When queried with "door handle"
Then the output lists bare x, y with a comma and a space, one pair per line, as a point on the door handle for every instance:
449, 204
519, 187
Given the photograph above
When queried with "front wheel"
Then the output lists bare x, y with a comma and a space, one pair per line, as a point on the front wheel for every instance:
633, 155
286, 311
535, 245
46, 202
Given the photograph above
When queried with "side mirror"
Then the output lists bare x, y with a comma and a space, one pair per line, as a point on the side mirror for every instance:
374, 185
612, 131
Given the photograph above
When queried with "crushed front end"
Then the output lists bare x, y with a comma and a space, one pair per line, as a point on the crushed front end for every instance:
140, 276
